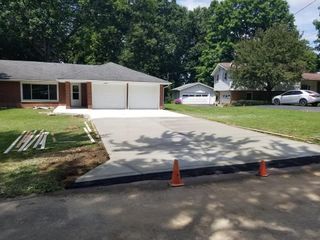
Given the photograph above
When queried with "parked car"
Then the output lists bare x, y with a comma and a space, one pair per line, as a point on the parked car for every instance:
302, 97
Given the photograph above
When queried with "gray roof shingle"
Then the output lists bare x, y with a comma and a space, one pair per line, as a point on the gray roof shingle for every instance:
28, 70
189, 85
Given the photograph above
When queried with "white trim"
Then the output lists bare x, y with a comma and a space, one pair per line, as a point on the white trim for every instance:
80, 95
193, 84
39, 83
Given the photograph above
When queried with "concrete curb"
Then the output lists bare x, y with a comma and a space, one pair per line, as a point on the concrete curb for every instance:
247, 167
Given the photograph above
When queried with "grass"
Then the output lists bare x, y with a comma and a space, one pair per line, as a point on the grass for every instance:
48, 170
302, 125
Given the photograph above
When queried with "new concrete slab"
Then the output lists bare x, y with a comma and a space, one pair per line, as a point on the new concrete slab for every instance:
148, 145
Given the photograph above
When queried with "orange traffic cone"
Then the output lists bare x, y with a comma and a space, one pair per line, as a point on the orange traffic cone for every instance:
263, 169
176, 178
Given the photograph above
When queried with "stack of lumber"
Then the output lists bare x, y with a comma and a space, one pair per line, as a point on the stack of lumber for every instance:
88, 131
27, 139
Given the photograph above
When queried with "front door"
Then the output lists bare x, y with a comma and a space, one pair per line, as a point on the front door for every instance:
75, 95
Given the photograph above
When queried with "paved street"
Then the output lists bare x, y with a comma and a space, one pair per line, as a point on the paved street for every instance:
293, 107
139, 146
284, 205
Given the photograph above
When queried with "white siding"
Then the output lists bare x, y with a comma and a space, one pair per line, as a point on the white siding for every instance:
222, 84
197, 94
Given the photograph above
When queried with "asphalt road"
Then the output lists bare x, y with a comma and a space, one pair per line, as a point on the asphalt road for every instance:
293, 107
284, 205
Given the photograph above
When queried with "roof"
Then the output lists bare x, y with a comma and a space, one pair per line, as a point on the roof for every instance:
224, 65
311, 76
29, 70
189, 85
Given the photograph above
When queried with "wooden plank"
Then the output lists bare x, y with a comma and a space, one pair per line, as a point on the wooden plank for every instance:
32, 141
44, 140
22, 140
28, 139
54, 140
14, 143
87, 125
89, 136
39, 140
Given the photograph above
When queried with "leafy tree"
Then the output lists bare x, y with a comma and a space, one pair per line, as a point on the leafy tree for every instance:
35, 30
99, 33
234, 20
156, 40
196, 32
274, 58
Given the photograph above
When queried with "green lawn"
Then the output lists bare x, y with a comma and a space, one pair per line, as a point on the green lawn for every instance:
37, 171
304, 125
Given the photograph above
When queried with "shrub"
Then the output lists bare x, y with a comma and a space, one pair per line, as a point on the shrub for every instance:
177, 101
249, 102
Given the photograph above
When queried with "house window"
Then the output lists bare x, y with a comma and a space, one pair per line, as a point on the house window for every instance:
43, 92
305, 87
249, 96
226, 76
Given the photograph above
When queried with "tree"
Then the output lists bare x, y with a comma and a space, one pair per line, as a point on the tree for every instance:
156, 41
273, 58
35, 30
234, 20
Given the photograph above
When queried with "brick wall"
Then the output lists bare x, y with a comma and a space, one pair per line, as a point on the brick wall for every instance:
256, 95
84, 100
68, 94
89, 94
62, 93
161, 97
10, 94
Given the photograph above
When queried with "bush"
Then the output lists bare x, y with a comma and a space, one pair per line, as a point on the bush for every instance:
177, 101
249, 102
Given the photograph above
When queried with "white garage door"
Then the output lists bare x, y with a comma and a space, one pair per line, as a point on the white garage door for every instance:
196, 99
112, 96
144, 96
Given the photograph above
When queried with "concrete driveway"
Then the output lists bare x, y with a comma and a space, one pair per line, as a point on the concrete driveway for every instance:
148, 145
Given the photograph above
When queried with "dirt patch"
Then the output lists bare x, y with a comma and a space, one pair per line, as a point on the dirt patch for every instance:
74, 162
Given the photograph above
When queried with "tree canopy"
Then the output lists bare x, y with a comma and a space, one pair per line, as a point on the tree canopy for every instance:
273, 58
159, 37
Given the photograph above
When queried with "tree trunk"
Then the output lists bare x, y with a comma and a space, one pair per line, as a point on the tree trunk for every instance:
269, 94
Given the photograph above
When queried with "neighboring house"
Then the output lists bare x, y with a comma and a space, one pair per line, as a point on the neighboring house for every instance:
195, 93
226, 93
110, 86
311, 81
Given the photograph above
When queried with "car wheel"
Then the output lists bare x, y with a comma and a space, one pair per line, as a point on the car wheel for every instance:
303, 102
276, 102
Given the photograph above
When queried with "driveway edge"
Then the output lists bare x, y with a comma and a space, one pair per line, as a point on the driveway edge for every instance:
247, 167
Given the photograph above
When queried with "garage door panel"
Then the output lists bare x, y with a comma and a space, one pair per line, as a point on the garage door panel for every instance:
144, 96
109, 96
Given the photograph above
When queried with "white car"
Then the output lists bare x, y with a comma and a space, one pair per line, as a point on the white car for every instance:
302, 97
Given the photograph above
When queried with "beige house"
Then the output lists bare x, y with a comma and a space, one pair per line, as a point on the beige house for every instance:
311, 81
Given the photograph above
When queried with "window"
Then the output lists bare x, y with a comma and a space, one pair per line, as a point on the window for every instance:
296, 92
249, 96
45, 92
226, 76
287, 93
305, 87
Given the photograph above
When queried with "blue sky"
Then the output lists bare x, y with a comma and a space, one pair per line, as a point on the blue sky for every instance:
304, 19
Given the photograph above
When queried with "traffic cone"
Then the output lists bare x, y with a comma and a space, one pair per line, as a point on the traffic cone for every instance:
176, 178
263, 169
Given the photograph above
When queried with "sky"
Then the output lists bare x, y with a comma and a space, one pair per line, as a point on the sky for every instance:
303, 19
